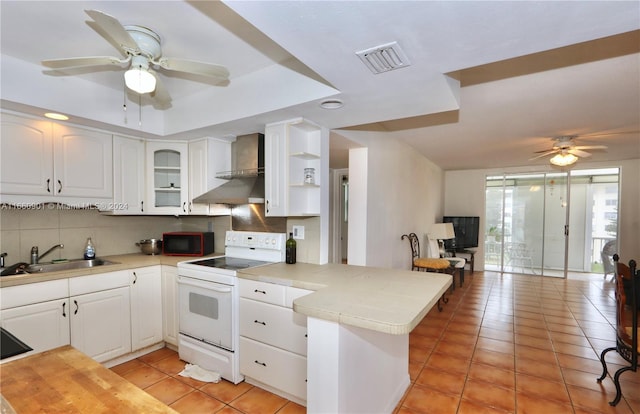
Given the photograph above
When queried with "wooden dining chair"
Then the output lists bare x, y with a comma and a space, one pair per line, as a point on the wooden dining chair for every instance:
627, 280
426, 264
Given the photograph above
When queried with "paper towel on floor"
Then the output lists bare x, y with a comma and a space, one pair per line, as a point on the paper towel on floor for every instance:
199, 373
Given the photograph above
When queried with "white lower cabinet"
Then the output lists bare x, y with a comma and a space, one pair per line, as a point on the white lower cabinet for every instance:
100, 323
170, 304
42, 326
146, 307
284, 371
37, 314
101, 314
273, 343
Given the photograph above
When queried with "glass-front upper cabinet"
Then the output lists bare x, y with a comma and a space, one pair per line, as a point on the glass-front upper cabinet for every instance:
167, 177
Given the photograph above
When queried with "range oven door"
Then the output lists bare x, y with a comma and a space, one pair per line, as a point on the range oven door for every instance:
205, 311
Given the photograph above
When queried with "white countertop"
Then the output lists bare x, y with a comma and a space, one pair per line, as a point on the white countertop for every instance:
385, 300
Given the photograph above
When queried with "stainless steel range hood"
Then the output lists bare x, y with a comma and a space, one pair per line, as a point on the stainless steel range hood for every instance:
246, 179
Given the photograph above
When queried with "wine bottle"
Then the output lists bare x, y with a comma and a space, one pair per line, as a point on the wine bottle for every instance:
291, 250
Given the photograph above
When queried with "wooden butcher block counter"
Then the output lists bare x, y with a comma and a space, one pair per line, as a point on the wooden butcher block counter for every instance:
65, 380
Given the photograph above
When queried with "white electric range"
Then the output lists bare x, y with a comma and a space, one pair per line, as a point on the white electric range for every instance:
208, 300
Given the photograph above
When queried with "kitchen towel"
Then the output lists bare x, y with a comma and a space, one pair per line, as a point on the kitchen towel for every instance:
199, 373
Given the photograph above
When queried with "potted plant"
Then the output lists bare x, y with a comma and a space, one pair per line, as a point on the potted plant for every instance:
494, 234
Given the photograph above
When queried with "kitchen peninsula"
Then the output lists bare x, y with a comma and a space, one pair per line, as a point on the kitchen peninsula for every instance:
358, 324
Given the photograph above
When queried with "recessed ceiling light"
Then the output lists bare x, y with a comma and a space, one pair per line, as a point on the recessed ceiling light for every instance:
331, 104
58, 117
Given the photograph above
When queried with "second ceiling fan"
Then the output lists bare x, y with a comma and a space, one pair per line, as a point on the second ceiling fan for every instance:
566, 151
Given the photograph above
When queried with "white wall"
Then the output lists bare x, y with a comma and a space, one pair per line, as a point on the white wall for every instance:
464, 195
392, 191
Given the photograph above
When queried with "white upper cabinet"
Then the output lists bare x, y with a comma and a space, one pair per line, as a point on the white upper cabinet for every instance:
26, 148
207, 157
128, 176
82, 162
46, 159
167, 177
295, 168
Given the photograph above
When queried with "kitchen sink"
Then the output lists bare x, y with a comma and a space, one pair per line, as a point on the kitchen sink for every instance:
24, 268
68, 265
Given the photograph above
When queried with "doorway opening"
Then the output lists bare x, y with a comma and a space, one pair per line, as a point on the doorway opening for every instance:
340, 214
551, 223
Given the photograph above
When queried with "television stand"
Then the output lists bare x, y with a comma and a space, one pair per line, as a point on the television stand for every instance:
471, 253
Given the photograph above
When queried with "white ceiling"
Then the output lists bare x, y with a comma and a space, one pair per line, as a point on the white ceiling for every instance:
489, 82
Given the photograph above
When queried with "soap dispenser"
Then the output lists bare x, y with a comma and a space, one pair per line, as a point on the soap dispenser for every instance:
89, 250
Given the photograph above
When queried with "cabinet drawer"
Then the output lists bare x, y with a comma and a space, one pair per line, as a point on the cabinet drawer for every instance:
274, 325
280, 369
96, 283
13, 296
263, 292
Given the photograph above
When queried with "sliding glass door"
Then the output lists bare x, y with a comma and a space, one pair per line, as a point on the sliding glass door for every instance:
528, 218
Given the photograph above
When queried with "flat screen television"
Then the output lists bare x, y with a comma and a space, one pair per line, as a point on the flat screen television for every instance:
466, 229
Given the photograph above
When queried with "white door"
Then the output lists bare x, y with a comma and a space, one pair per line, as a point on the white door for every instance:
276, 180
128, 175
42, 326
146, 307
100, 323
205, 311
167, 177
26, 148
198, 171
170, 304
83, 162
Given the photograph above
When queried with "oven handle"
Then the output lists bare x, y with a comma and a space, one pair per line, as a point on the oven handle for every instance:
204, 285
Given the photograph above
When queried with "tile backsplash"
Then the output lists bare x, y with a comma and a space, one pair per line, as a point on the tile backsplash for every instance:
20, 229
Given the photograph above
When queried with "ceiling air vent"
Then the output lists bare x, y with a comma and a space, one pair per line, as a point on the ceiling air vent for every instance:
384, 58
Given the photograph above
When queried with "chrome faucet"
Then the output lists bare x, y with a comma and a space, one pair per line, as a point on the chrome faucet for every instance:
34, 253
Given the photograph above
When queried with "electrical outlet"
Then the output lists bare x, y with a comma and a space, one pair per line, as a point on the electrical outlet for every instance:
298, 232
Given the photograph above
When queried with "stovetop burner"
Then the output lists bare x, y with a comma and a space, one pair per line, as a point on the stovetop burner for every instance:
229, 263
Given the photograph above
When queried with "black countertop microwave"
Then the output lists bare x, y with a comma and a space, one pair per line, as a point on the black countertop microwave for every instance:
187, 243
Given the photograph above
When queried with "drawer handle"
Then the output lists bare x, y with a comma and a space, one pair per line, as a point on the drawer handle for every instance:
260, 363
75, 302
260, 322
259, 291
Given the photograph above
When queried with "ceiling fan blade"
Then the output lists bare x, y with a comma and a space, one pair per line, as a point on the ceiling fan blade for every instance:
547, 150
578, 153
115, 30
598, 135
160, 94
543, 155
191, 66
83, 61
591, 147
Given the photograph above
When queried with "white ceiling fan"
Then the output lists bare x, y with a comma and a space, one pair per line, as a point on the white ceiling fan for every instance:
142, 52
566, 151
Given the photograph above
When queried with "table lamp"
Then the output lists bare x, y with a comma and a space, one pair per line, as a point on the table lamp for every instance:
440, 232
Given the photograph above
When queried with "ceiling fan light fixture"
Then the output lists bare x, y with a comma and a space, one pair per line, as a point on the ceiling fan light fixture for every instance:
140, 80
562, 160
